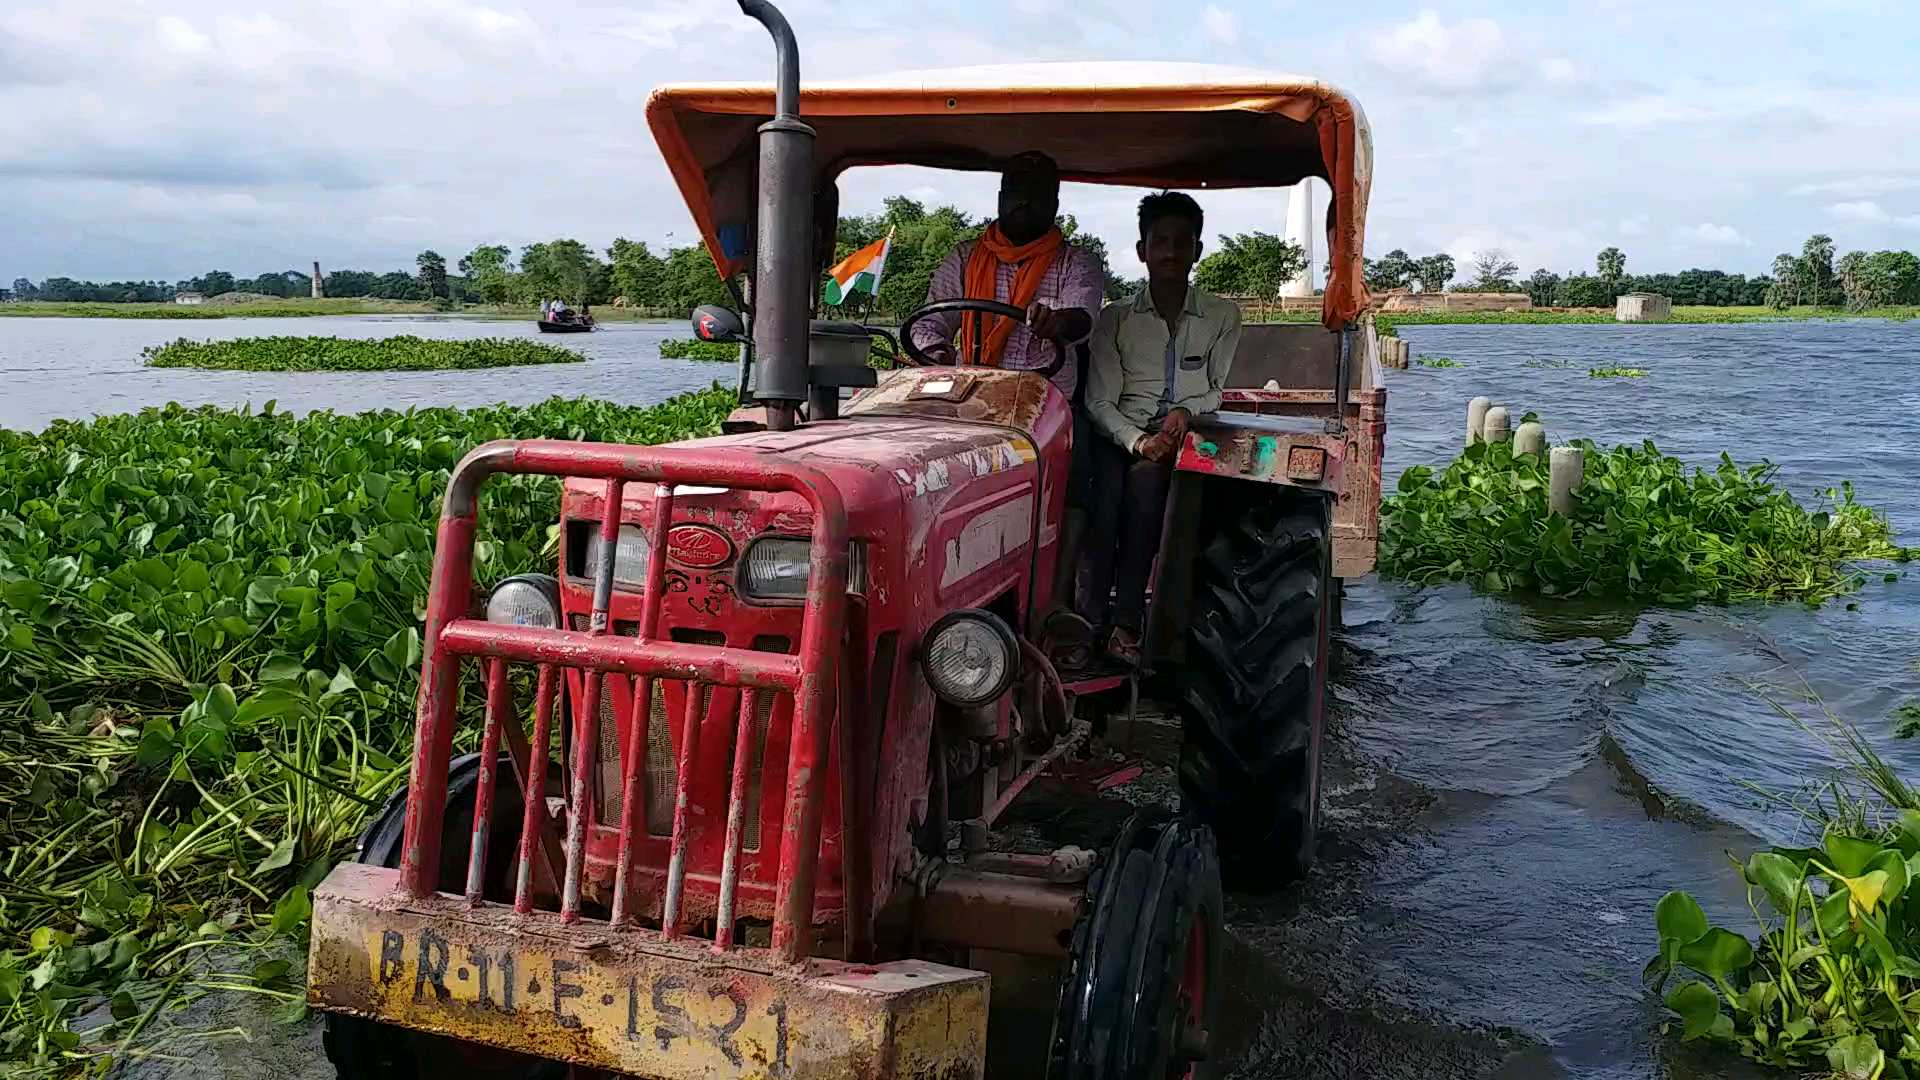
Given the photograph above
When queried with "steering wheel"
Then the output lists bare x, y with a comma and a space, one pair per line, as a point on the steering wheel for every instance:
979, 307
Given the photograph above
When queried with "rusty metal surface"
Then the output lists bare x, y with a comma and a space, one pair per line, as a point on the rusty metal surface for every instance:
1259, 448
631, 1002
499, 711
810, 674
537, 838
1356, 511
625, 656
1014, 399
944, 514
1005, 912
1066, 744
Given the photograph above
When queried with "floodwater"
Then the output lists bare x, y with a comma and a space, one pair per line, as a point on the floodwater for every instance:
1512, 783
78, 368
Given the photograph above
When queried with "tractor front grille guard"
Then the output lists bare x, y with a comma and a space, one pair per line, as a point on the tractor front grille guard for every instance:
809, 676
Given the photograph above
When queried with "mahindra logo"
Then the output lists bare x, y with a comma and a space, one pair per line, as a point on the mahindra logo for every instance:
701, 547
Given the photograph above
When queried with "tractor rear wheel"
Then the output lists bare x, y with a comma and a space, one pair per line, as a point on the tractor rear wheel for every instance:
367, 1050
1254, 684
1140, 992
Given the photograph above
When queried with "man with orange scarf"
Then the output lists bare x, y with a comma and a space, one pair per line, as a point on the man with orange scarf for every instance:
1020, 260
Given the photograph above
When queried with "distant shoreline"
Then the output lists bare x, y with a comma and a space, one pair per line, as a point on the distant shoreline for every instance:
295, 308
1689, 315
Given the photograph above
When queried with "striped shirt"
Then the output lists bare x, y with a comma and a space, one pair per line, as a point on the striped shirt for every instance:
1075, 280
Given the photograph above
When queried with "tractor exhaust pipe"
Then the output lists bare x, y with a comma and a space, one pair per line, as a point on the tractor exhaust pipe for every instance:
783, 279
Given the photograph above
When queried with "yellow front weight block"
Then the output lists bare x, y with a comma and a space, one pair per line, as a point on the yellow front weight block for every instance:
629, 1001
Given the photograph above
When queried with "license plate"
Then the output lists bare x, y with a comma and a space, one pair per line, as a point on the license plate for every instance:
629, 1002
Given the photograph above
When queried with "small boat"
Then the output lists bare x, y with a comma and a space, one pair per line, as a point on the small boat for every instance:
547, 326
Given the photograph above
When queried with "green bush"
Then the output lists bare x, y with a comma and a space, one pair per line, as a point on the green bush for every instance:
404, 353
1645, 527
209, 650
691, 349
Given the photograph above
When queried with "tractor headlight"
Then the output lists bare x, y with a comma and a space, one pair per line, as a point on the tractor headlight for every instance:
525, 600
776, 568
969, 657
630, 555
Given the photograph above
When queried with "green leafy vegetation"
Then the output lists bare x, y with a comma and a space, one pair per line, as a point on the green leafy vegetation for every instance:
691, 349
1645, 526
404, 353
209, 648
1829, 978
1438, 362
1906, 719
1249, 264
1617, 373
1833, 976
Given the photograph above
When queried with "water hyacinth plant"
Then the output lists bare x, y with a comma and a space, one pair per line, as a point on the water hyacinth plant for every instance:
1834, 976
1617, 373
209, 647
1438, 362
404, 353
691, 349
1645, 526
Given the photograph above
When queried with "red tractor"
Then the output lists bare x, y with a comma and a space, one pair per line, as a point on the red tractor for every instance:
776, 673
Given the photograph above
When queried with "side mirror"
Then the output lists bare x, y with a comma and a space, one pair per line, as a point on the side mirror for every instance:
714, 323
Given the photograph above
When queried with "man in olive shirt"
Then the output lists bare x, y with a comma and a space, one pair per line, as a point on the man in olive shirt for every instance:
1160, 358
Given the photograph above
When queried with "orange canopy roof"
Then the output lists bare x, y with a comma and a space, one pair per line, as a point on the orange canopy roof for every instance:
1139, 125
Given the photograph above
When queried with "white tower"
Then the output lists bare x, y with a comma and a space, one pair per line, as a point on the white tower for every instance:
1300, 228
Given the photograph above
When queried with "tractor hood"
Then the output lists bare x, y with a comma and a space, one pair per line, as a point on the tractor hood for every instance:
943, 472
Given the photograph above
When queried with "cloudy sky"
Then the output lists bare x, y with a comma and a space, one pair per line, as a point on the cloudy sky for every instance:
141, 138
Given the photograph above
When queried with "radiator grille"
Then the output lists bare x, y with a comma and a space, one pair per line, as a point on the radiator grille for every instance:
662, 766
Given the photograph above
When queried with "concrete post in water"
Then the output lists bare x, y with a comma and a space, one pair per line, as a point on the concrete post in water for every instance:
1530, 438
1498, 426
1477, 418
1567, 467
318, 290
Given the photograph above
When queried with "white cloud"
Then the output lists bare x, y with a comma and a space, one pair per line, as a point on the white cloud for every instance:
179, 35
1472, 55
1868, 212
1220, 24
1649, 111
1632, 226
1559, 69
1717, 235
1858, 187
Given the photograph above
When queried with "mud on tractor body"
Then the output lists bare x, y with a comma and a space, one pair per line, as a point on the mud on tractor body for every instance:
726, 749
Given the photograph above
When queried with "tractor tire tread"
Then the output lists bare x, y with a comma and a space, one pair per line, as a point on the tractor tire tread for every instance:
1253, 682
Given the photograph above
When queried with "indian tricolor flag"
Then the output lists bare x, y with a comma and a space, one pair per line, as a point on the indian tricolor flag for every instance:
859, 272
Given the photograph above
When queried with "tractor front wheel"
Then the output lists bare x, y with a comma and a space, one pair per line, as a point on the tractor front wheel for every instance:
1254, 683
1140, 994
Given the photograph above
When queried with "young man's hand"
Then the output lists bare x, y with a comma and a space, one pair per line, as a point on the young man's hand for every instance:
1157, 447
1177, 423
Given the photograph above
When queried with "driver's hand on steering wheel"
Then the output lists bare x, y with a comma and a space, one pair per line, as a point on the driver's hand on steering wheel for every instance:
940, 352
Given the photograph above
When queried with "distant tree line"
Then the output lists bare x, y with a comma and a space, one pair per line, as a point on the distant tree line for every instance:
1244, 264
1856, 281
